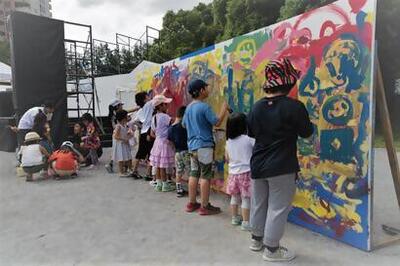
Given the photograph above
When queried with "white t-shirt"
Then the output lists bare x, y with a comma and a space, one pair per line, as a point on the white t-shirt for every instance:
28, 118
31, 155
144, 116
239, 151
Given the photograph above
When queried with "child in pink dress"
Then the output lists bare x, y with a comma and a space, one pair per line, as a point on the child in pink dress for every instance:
239, 148
162, 155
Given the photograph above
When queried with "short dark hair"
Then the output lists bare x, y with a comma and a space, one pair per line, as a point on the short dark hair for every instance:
121, 115
181, 111
87, 117
140, 98
196, 86
236, 125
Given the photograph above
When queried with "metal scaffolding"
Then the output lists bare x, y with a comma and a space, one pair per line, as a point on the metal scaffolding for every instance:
79, 70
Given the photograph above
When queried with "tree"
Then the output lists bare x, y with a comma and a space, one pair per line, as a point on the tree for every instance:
293, 8
128, 61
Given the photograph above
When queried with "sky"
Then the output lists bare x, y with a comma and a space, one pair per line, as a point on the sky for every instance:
108, 17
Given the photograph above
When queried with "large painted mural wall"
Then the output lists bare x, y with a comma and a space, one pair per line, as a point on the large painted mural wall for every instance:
333, 48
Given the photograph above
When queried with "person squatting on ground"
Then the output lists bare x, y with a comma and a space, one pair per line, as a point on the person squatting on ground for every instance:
238, 151
276, 122
64, 163
177, 134
199, 120
91, 140
42, 127
33, 156
121, 146
162, 154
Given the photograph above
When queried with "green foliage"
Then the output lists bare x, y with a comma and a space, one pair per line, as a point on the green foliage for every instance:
5, 52
293, 8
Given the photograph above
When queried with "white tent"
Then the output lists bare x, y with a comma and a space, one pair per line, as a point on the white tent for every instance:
113, 87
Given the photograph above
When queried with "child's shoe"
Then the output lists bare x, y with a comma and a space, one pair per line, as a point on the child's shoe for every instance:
236, 220
256, 245
147, 178
109, 168
180, 192
167, 187
124, 175
191, 207
158, 187
281, 254
209, 210
245, 226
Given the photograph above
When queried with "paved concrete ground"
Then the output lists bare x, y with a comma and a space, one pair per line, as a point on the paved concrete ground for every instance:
100, 219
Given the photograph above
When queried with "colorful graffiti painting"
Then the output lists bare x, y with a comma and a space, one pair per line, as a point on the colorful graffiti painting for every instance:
333, 48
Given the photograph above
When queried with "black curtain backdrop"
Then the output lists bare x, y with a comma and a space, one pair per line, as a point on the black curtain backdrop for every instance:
38, 68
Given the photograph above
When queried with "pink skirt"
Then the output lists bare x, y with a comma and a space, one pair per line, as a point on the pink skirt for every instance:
162, 154
239, 184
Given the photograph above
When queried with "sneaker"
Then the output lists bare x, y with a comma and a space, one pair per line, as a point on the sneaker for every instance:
236, 220
158, 187
209, 210
147, 178
256, 245
180, 192
282, 254
245, 226
191, 207
167, 187
135, 175
109, 168
153, 183
124, 175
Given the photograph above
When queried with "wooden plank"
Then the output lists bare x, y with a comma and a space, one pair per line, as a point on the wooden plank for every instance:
387, 131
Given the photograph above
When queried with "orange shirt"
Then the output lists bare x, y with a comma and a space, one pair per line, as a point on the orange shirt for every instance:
65, 160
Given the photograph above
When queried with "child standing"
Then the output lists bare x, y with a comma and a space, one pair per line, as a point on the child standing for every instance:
162, 154
65, 161
276, 122
177, 134
113, 108
143, 118
91, 140
239, 148
122, 149
33, 155
199, 120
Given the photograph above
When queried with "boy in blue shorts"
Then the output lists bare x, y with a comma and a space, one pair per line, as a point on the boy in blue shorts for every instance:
199, 120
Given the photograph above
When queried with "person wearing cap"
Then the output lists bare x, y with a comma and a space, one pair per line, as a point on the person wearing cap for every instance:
162, 155
65, 161
33, 155
276, 121
199, 120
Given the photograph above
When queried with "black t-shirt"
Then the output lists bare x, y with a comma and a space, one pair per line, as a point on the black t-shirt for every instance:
276, 123
177, 134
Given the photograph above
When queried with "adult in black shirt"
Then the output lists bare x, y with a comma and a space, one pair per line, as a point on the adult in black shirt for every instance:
276, 122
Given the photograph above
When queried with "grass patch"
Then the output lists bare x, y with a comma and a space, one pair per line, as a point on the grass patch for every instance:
379, 141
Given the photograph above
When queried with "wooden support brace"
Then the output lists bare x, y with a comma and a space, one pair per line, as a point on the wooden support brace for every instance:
387, 131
